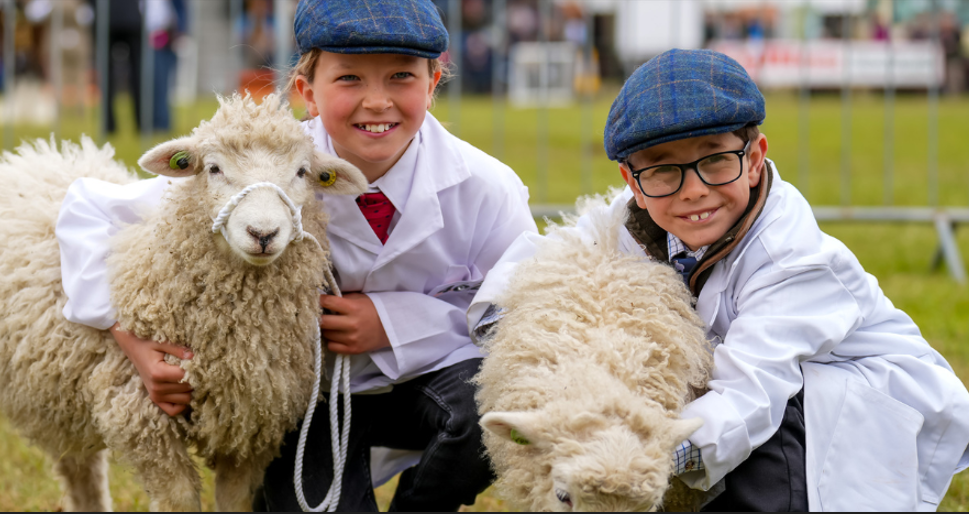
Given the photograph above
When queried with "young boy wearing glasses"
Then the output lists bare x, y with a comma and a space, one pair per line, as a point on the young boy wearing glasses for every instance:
823, 395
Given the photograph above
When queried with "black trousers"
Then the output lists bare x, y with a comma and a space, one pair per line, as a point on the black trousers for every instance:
435, 413
773, 478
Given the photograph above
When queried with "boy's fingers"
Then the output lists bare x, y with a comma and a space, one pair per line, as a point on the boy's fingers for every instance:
163, 372
181, 352
342, 348
331, 322
171, 409
335, 304
177, 399
172, 388
339, 336
174, 399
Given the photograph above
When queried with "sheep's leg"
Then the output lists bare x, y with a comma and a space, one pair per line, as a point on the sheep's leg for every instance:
143, 435
171, 480
235, 482
85, 482
169, 475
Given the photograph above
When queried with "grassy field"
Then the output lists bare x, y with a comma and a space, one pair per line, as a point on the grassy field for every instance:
899, 255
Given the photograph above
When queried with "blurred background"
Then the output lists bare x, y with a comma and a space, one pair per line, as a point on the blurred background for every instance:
867, 114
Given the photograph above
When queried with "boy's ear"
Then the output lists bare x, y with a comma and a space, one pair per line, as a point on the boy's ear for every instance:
631, 182
305, 90
334, 176
758, 158
435, 80
175, 158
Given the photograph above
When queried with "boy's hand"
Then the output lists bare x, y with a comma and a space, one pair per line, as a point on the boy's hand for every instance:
160, 378
354, 327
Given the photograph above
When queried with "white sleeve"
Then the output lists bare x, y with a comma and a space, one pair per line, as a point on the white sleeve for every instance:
784, 317
92, 212
525, 247
424, 329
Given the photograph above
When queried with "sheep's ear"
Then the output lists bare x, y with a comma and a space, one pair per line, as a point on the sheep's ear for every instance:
522, 428
335, 176
681, 430
175, 158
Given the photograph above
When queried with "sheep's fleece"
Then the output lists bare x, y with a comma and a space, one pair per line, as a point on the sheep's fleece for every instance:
71, 390
586, 374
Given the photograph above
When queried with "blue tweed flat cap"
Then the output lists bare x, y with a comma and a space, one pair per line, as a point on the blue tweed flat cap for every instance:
411, 27
681, 94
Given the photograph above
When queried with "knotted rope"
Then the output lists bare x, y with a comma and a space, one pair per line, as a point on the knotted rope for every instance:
339, 439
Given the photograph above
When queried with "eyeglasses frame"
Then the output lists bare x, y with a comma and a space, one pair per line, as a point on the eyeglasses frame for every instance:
686, 167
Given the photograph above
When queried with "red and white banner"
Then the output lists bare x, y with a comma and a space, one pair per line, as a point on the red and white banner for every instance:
833, 63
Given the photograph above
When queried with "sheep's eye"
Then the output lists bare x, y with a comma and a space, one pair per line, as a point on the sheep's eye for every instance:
215, 170
563, 497
301, 173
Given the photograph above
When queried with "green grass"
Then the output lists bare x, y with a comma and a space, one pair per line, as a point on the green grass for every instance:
899, 255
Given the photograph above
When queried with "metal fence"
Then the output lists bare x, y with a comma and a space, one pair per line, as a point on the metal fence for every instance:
945, 219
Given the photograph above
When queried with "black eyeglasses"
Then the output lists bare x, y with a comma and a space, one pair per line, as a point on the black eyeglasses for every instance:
714, 170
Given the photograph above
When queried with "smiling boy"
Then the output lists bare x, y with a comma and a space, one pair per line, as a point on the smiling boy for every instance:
823, 396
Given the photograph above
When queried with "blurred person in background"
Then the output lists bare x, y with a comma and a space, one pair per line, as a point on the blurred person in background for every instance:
73, 42
522, 21
257, 27
165, 20
476, 47
124, 64
881, 31
258, 33
950, 37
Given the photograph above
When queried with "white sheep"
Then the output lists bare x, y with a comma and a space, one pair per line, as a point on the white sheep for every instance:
244, 299
586, 375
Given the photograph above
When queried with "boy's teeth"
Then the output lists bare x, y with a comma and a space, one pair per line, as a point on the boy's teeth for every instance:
698, 217
694, 217
378, 128
705, 215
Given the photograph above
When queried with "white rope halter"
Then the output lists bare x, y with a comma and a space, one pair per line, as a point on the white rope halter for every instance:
341, 369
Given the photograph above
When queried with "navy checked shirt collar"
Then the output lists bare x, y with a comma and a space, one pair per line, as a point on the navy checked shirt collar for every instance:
676, 246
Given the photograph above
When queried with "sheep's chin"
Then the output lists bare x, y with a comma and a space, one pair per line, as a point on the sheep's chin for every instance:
259, 260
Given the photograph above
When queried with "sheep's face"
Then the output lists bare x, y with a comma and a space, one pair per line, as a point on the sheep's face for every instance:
596, 462
612, 471
261, 225
250, 144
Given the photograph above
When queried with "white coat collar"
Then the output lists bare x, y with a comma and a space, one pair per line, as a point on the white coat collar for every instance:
708, 303
431, 164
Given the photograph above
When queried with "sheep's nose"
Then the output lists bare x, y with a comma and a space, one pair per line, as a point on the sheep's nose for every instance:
264, 238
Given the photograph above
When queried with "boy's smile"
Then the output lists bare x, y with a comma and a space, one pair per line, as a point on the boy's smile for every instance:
697, 213
376, 129
371, 105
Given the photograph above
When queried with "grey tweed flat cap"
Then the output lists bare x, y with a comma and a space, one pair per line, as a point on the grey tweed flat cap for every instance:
409, 27
681, 94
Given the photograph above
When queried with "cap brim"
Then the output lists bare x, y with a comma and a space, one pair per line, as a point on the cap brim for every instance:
667, 138
415, 52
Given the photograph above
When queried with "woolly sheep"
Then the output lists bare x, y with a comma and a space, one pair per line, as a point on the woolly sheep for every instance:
246, 303
586, 374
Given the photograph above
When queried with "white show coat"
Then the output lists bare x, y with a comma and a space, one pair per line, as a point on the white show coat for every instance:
887, 421
458, 210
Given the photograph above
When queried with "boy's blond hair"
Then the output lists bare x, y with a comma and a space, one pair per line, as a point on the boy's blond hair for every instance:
306, 66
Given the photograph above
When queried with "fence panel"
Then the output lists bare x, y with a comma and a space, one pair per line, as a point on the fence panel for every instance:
547, 60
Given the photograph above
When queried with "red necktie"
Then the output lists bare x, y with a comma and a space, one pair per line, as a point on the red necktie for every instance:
379, 211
